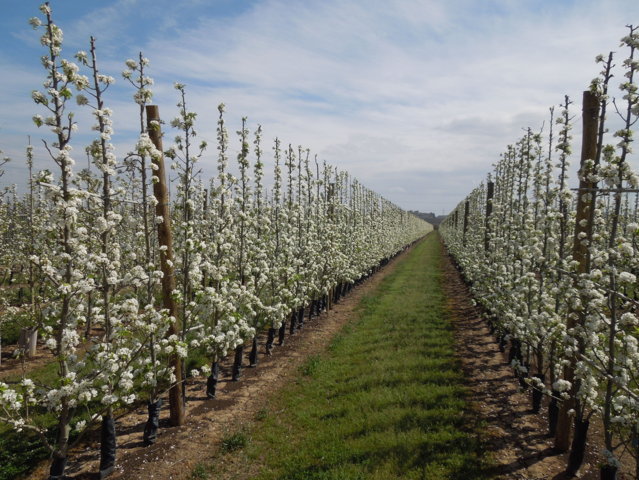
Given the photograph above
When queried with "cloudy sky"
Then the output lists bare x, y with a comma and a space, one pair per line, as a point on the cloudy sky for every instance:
415, 98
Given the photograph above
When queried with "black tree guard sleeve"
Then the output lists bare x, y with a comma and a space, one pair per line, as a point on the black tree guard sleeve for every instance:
553, 413
237, 363
269, 341
56, 472
107, 446
578, 448
211, 381
537, 394
608, 472
282, 334
153, 423
291, 330
253, 354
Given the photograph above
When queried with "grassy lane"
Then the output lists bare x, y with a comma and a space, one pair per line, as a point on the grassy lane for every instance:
386, 401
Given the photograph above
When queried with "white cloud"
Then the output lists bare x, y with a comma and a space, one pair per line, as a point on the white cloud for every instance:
395, 92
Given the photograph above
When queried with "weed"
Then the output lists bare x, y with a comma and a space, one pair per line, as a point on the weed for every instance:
200, 472
311, 366
234, 441
261, 414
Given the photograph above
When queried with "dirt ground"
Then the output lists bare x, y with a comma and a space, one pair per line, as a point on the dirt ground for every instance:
515, 437
12, 366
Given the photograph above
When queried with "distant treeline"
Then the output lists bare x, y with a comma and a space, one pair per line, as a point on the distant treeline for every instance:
430, 217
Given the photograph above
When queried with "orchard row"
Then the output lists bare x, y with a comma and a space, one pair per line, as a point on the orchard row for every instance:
126, 286
555, 268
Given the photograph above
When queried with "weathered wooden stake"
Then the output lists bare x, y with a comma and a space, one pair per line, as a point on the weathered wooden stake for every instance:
490, 192
165, 239
466, 214
581, 249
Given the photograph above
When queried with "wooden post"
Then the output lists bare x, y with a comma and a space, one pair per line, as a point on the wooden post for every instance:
581, 248
331, 216
329, 200
466, 213
165, 239
490, 192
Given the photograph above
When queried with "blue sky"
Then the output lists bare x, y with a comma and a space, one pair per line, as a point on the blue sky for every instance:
416, 99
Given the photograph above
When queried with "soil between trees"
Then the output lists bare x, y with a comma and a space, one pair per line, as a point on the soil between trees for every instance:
514, 437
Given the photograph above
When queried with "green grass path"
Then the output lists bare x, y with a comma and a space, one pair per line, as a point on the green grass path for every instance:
385, 401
